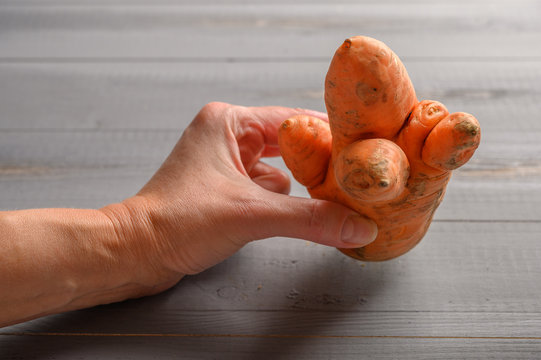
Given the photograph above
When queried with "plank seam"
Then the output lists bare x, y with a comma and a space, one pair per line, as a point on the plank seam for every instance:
248, 59
282, 336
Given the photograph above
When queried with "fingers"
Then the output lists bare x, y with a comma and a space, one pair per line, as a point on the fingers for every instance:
452, 142
305, 144
319, 221
256, 128
270, 178
271, 117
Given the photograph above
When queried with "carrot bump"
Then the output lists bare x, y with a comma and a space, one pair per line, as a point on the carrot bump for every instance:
305, 144
452, 142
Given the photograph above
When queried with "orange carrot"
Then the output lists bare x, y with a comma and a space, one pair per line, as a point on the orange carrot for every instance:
309, 138
452, 142
389, 156
368, 92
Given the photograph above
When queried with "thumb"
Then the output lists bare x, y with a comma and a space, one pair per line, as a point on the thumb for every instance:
319, 221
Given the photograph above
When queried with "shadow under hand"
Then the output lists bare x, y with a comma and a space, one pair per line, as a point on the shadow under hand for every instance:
97, 331
323, 297
275, 298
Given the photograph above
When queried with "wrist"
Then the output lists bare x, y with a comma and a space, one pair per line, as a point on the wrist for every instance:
137, 240
57, 260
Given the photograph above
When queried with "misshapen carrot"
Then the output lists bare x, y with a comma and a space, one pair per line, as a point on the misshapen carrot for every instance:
385, 155
368, 93
310, 139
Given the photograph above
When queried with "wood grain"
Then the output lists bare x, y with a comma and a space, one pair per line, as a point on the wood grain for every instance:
439, 29
164, 347
503, 95
94, 94
498, 194
317, 296
284, 324
514, 153
465, 267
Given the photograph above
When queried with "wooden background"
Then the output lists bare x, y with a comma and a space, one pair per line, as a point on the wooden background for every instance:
94, 93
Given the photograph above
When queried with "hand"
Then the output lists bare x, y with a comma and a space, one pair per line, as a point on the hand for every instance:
210, 197
213, 195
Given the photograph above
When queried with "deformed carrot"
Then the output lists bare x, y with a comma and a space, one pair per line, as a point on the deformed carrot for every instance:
389, 157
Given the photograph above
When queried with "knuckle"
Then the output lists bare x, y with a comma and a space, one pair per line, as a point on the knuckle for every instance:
211, 111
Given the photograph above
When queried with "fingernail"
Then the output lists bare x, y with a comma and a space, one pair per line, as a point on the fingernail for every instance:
359, 230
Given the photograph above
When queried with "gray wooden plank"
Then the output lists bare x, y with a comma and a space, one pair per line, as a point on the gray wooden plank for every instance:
465, 268
150, 316
484, 194
163, 3
192, 347
501, 154
44, 187
502, 95
81, 149
267, 30
458, 267
482, 295
94, 94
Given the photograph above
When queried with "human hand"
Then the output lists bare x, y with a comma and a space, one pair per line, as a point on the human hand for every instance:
213, 195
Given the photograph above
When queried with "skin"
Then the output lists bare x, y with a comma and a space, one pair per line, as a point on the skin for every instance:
210, 197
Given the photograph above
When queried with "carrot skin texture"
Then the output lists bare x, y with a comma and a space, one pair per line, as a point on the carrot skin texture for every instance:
404, 220
452, 142
368, 93
305, 145
372, 170
391, 156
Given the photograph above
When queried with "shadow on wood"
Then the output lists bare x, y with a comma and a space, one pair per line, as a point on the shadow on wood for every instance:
295, 321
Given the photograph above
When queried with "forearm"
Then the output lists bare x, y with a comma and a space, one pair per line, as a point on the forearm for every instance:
56, 260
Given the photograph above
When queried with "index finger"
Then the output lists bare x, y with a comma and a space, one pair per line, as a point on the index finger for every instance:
269, 119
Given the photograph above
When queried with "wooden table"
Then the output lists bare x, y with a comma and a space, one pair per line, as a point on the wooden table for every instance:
93, 95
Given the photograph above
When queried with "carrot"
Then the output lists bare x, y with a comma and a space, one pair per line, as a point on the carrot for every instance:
452, 142
368, 92
309, 138
384, 154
